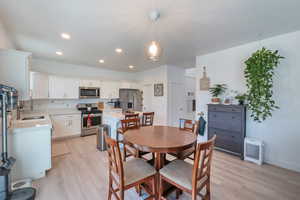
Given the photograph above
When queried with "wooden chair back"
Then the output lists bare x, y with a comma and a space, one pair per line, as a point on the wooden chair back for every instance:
131, 116
147, 119
130, 124
115, 160
188, 125
196, 128
202, 163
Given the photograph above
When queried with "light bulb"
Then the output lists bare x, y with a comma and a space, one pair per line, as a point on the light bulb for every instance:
154, 51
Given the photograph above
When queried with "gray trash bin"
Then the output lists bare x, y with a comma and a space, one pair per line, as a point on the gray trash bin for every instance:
101, 144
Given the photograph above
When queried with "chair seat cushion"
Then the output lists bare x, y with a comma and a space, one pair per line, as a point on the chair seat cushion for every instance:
137, 169
180, 172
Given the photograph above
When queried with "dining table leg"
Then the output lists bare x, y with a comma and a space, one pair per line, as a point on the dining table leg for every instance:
158, 164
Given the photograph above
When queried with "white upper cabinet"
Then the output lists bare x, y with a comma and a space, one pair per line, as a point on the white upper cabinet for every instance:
39, 85
129, 85
110, 90
63, 88
90, 83
14, 71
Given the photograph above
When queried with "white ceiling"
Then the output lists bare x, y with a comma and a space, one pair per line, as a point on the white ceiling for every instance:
186, 28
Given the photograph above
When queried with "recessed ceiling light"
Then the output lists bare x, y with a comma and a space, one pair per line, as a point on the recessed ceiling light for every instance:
65, 36
130, 66
118, 50
59, 53
101, 61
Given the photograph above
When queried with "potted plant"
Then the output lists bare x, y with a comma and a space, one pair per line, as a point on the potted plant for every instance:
216, 91
241, 98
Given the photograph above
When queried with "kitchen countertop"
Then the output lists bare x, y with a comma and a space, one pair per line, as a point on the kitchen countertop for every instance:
19, 125
63, 111
117, 115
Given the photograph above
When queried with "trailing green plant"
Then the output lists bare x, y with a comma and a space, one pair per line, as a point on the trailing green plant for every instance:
218, 90
259, 74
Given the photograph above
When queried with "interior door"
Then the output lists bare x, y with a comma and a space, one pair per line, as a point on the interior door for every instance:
176, 104
147, 98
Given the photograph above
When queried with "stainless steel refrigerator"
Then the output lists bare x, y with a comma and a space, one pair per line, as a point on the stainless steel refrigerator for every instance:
131, 99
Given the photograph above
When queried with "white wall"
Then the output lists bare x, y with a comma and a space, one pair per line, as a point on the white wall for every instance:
64, 69
280, 133
172, 106
5, 40
159, 104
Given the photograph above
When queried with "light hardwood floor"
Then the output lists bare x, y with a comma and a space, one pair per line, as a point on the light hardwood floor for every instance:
83, 175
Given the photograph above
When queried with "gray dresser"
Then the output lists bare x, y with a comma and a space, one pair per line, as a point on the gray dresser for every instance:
228, 122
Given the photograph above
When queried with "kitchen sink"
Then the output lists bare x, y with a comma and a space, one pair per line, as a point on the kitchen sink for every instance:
33, 118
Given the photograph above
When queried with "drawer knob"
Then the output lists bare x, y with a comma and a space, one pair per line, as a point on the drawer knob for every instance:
233, 117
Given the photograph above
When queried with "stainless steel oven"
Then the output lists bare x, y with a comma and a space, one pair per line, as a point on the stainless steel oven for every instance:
91, 118
89, 92
90, 123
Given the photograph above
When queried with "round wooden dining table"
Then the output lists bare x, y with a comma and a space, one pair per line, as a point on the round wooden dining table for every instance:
160, 140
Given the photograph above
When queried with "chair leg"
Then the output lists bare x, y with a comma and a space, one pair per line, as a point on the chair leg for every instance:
154, 187
124, 153
122, 194
177, 193
138, 190
194, 195
159, 187
207, 195
109, 188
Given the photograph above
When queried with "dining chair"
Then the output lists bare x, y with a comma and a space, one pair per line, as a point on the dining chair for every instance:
190, 152
126, 124
125, 175
191, 178
188, 125
147, 119
131, 116
128, 150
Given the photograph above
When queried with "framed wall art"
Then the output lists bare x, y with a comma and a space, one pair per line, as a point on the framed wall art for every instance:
159, 89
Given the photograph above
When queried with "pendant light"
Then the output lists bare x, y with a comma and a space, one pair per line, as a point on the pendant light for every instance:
153, 49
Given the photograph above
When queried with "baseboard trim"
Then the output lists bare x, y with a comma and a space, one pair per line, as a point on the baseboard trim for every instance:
283, 164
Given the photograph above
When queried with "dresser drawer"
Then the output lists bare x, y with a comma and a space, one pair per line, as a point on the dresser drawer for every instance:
224, 108
229, 146
226, 135
225, 121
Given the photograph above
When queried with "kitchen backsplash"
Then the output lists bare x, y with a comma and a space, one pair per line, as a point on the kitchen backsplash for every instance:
59, 104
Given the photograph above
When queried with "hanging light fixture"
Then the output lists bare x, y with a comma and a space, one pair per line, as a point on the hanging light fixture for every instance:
153, 49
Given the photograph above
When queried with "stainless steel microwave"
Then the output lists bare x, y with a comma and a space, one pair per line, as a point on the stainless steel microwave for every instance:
89, 92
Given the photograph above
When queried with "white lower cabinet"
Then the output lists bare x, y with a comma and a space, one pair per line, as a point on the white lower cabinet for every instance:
66, 125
